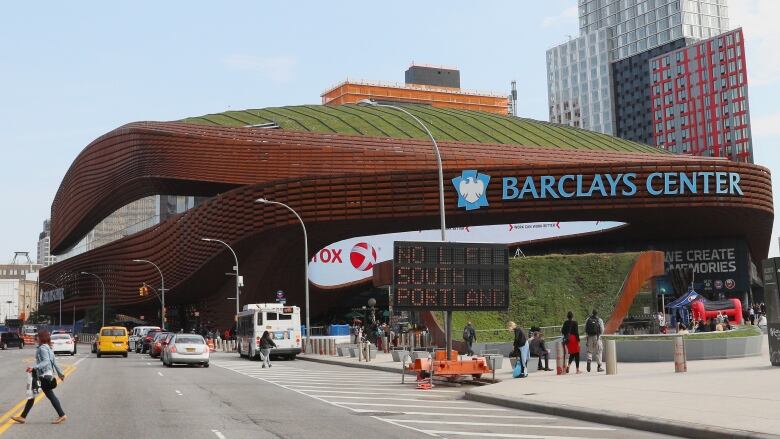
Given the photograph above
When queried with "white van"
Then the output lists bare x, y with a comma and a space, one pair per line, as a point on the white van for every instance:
282, 322
137, 337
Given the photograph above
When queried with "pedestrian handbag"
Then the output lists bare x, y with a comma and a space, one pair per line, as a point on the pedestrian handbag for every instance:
48, 382
518, 370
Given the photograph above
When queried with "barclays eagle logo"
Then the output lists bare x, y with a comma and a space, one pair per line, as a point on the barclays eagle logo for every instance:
472, 189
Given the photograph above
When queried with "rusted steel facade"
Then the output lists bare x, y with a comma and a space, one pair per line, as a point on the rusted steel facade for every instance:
342, 186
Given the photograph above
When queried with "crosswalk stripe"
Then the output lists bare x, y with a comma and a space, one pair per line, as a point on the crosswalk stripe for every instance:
422, 406
507, 435
554, 427
373, 398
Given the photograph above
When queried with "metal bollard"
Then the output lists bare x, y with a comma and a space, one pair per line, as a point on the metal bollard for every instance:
680, 359
386, 344
560, 359
610, 356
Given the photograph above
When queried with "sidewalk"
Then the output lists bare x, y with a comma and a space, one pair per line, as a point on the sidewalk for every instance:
715, 398
733, 398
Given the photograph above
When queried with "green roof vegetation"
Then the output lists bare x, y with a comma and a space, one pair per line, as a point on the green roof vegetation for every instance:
445, 124
544, 288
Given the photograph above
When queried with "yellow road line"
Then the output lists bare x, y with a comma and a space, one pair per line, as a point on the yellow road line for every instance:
5, 418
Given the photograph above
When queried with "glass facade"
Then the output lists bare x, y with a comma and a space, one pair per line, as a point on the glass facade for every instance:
640, 25
579, 82
132, 218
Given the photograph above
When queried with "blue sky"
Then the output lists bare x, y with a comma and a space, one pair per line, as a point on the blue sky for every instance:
71, 71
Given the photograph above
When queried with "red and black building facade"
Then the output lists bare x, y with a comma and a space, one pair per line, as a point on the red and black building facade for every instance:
699, 99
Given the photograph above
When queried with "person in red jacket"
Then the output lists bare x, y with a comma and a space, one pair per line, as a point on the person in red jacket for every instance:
571, 339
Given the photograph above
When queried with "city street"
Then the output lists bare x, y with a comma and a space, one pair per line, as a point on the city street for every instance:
137, 397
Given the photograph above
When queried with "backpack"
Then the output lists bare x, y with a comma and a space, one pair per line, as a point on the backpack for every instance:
466, 333
592, 326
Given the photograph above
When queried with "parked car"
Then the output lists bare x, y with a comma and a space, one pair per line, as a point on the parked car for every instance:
164, 342
10, 340
136, 337
63, 343
155, 349
112, 340
146, 341
186, 349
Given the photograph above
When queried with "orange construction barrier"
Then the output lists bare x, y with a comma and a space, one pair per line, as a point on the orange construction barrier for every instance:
474, 366
210, 344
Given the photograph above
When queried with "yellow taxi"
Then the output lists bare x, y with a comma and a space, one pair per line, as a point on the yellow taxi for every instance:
112, 340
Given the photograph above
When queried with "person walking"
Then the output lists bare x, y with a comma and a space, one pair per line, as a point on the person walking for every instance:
44, 368
594, 328
571, 340
520, 350
266, 343
469, 336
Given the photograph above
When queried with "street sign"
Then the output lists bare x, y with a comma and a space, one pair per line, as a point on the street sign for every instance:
52, 295
450, 276
280, 297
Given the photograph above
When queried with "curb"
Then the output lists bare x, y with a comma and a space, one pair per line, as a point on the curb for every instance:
358, 365
655, 425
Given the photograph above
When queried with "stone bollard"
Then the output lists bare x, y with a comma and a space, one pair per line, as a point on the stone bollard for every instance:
560, 359
385, 344
610, 356
333, 350
680, 359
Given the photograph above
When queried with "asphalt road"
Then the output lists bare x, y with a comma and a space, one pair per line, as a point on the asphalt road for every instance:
136, 397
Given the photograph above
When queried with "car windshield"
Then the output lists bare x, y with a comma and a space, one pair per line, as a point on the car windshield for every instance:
60, 337
113, 332
191, 339
159, 336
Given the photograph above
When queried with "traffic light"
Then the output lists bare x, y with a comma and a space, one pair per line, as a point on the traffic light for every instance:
143, 291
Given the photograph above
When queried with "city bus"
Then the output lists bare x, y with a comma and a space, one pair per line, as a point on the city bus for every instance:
281, 321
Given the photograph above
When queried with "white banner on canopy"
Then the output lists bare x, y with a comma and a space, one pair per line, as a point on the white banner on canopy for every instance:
352, 260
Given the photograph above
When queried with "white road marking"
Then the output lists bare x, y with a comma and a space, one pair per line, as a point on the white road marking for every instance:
460, 415
428, 393
373, 389
423, 406
373, 398
178, 392
148, 364
218, 434
79, 361
554, 427
159, 373
405, 426
508, 435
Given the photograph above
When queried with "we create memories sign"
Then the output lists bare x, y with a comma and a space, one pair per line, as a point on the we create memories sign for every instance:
472, 186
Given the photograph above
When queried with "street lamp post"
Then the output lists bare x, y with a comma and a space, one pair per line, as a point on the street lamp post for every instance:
162, 290
238, 278
305, 261
448, 314
104, 294
55, 286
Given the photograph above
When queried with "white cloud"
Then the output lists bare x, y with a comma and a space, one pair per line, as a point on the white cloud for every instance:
277, 69
567, 18
762, 37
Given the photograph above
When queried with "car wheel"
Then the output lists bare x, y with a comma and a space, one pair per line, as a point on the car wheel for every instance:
98, 354
124, 354
205, 365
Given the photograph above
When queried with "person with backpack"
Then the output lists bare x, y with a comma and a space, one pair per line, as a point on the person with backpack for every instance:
469, 336
594, 327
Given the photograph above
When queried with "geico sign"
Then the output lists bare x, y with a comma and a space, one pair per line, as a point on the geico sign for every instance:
328, 256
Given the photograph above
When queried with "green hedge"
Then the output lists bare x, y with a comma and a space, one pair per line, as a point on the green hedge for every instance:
544, 288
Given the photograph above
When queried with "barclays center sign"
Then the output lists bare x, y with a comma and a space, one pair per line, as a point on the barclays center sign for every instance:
472, 186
